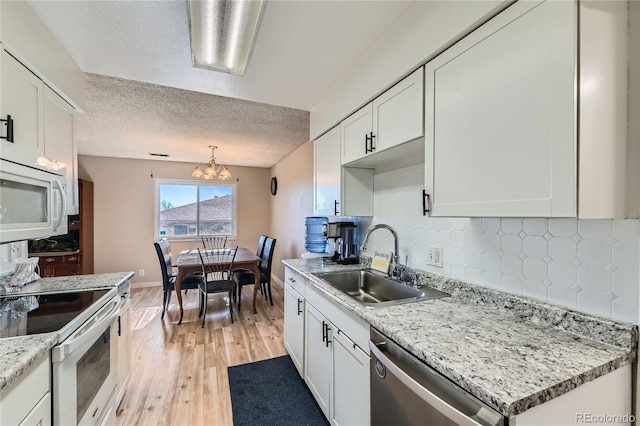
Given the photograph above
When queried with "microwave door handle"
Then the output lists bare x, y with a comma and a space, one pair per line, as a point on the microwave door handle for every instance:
63, 209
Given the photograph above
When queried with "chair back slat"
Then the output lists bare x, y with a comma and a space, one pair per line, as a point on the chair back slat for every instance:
217, 263
163, 250
214, 242
261, 241
267, 256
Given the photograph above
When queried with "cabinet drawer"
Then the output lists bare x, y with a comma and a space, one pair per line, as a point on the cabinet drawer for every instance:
72, 258
295, 280
51, 260
355, 328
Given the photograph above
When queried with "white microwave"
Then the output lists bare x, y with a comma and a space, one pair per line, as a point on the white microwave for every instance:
32, 203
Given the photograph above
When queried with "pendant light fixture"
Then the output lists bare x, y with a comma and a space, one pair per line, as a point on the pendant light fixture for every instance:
222, 33
212, 170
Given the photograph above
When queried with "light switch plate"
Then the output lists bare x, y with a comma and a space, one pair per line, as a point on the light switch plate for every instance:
434, 256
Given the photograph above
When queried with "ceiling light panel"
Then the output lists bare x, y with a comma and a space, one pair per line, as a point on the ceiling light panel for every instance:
223, 32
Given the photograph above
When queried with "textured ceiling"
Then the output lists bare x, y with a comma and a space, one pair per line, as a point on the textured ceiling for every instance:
303, 48
130, 119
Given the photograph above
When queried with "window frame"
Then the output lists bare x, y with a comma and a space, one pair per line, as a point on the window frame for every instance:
156, 209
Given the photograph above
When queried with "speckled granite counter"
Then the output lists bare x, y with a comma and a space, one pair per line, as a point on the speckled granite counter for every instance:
17, 354
511, 352
73, 283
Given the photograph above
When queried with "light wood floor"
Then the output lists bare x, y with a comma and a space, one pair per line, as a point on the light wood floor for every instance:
179, 372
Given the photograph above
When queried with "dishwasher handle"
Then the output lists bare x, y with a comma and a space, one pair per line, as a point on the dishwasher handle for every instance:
427, 396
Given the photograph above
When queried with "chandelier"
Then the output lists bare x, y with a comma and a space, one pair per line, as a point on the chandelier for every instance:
212, 170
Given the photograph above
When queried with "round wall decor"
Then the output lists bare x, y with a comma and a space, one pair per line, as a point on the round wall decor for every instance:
274, 185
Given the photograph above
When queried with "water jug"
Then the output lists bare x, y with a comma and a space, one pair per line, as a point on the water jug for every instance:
315, 240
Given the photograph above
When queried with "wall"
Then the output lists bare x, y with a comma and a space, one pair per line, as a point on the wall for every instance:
587, 265
124, 210
292, 203
25, 36
421, 33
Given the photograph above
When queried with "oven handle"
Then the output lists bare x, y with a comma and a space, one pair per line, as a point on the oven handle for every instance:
431, 399
88, 332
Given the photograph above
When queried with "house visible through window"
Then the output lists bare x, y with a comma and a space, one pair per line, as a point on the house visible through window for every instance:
193, 209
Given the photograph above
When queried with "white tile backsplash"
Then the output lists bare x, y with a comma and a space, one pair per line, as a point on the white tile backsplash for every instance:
588, 265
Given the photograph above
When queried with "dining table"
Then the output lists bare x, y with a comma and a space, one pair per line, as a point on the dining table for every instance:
188, 262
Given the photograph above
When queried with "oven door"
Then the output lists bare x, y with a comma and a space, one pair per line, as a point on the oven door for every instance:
32, 203
84, 370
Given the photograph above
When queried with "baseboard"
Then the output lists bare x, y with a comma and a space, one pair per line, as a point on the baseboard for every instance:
276, 280
146, 284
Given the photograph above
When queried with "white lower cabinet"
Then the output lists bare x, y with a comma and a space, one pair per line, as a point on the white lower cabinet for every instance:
350, 401
28, 401
294, 326
329, 347
40, 415
318, 357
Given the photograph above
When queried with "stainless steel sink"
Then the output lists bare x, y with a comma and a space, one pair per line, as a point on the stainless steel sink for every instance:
374, 290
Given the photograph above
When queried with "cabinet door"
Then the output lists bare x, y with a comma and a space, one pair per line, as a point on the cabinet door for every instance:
294, 327
59, 142
41, 413
124, 351
500, 117
398, 113
318, 359
22, 98
350, 401
326, 155
355, 129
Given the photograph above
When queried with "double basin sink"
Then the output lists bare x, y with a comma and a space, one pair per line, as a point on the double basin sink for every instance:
374, 290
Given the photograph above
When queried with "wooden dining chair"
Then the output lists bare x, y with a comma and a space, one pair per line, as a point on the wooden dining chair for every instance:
214, 242
259, 251
163, 250
216, 269
244, 278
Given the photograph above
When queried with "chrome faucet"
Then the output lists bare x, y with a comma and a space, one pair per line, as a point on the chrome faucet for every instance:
396, 269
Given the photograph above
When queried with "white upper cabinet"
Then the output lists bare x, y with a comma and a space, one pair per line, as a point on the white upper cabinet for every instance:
339, 191
500, 117
398, 113
42, 121
59, 143
356, 134
502, 111
22, 99
393, 118
326, 157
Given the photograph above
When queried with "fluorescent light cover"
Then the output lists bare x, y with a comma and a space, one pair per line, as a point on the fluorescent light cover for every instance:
223, 32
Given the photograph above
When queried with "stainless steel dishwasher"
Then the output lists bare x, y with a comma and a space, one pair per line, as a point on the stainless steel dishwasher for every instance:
405, 391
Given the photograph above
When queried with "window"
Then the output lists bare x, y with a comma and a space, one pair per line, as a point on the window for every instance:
188, 209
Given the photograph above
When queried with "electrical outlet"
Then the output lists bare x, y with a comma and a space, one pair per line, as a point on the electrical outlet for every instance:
141, 272
434, 256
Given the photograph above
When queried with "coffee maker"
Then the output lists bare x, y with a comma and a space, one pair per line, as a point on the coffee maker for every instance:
343, 234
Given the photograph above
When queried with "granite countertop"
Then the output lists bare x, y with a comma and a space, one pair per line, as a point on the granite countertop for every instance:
511, 352
17, 354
